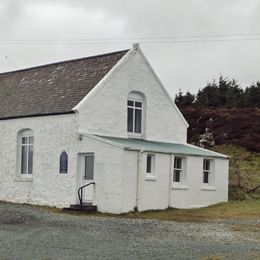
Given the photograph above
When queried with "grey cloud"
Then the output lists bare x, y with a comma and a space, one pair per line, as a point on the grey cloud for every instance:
179, 65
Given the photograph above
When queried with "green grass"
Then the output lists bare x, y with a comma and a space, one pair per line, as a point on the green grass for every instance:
244, 168
249, 209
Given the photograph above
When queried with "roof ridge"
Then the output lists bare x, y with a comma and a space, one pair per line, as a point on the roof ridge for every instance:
64, 61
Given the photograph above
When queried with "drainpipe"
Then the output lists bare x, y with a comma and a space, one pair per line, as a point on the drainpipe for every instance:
139, 170
170, 180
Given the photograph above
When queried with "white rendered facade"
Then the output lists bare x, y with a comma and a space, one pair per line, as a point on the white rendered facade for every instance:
121, 181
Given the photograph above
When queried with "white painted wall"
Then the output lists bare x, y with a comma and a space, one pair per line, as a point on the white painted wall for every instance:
108, 174
195, 194
116, 170
52, 135
160, 192
116, 188
105, 111
154, 190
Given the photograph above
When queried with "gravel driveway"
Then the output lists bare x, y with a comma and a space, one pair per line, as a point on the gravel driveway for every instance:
28, 232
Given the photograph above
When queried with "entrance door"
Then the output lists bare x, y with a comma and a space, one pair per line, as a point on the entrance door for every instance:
87, 176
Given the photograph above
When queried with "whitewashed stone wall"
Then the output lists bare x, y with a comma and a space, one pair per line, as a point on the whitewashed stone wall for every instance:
196, 194
108, 174
105, 113
52, 135
160, 192
116, 170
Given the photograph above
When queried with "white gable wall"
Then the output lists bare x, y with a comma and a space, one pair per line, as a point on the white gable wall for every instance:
105, 111
52, 135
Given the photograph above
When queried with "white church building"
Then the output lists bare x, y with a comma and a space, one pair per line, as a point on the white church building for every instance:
101, 131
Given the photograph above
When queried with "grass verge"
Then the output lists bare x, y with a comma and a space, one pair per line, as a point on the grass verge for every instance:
249, 209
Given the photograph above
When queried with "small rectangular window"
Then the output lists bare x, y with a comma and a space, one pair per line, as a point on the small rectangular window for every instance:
150, 163
89, 167
178, 171
206, 171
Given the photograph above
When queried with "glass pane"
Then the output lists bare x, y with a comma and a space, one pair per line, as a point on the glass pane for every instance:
89, 167
177, 176
24, 140
31, 140
24, 160
138, 120
63, 162
30, 160
149, 164
177, 163
130, 103
138, 104
205, 177
130, 121
206, 165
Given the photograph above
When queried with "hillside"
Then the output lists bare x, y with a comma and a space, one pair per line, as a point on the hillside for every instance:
236, 126
244, 172
236, 133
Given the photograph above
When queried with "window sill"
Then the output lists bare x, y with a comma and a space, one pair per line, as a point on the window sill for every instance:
208, 188
179, 187
135, 136
150, 178
23, 179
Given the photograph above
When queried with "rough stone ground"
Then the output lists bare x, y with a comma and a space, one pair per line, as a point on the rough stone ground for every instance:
28, 232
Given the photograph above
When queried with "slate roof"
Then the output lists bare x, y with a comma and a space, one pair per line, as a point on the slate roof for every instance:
162, 147
53, 88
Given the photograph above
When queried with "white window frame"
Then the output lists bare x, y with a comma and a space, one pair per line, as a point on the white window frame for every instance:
209, 171
182, 184
135, 96
28, 145
150, 176
84, 166
178, 169
152, 156
135, 108
27, 133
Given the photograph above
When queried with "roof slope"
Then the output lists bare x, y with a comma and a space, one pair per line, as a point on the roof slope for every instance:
162, 147
54, 88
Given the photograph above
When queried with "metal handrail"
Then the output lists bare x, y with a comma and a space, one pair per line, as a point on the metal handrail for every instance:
80, 192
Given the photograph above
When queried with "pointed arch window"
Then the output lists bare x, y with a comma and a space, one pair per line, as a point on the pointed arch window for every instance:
64, 162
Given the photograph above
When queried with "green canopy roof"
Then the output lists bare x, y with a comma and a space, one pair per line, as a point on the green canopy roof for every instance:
162, 147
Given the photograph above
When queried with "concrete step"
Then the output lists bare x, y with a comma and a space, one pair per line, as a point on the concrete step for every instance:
86, 207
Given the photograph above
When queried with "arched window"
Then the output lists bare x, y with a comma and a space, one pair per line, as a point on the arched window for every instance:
25, 151
64, 162
135, 113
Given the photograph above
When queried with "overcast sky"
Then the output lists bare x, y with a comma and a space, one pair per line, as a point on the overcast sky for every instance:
54, 30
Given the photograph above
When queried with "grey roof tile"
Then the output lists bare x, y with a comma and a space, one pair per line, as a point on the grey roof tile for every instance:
53, 88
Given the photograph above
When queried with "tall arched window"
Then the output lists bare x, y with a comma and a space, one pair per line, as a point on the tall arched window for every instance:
64, 162
135, 113
25, 151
